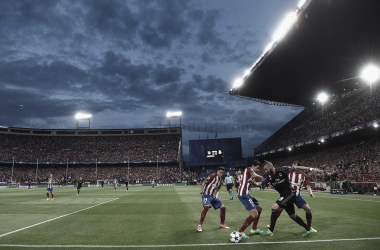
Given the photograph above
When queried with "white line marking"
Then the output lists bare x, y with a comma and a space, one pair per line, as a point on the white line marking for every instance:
186, 245
18, 230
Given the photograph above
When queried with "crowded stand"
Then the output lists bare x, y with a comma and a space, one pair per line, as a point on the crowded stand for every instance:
352, 167
137, 174
341, 113
356, 162
26, 148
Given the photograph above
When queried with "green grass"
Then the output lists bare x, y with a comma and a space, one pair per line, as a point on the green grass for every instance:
170, 215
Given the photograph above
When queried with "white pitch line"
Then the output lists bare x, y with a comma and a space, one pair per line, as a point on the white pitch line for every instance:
185, 245
18, 230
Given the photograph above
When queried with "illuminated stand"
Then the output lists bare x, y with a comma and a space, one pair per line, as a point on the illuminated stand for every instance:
83, 117
177, 114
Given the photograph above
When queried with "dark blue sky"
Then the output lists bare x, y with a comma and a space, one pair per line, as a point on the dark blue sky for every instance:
129, 62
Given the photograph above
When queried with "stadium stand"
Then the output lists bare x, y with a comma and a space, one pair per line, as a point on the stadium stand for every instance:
350, 154
27, 148
345, 113
152, 154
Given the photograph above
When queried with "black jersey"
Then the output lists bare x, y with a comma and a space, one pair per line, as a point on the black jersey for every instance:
80, 182
280, 181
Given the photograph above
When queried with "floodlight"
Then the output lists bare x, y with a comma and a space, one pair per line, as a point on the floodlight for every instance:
268, 47
322, 97
238, 82
285, 26
173, 114
81, 116
301, 3
322, 140
289, 148
375, 125
247, 72
371, 74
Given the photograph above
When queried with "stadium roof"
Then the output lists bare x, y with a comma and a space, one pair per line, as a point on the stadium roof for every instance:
325, 50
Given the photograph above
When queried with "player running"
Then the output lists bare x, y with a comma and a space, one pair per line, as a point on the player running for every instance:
299, 179
279, 179
50, 188
249, 202
80, 182
210, 192
229, 183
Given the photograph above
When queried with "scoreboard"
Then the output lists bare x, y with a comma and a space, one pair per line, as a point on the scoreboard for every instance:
214, 155
213, 151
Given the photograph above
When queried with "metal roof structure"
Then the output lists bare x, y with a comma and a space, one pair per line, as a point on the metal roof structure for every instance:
325, 49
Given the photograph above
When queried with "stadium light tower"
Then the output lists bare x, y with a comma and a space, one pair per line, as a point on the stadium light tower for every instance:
83, 117
371, 74
177, 114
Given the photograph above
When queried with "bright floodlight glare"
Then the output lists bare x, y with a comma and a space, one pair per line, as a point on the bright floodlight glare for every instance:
301, 3
268, 47
371, 74
289, 148
247, 72
80, 116
238, 82
173, 114
323, 140
322, 97
375, 125
286, 24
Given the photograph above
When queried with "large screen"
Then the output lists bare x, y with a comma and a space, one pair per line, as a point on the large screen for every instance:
214, 155
214, 151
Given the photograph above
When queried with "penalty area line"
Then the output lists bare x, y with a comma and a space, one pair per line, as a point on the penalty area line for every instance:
184, 245
56, 218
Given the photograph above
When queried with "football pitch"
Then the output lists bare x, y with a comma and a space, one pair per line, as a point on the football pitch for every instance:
167, 218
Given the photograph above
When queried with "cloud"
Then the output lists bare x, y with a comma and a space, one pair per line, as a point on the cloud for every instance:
129, 59
206, 58
208, 35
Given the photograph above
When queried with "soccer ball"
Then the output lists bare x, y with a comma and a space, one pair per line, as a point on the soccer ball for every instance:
235, 237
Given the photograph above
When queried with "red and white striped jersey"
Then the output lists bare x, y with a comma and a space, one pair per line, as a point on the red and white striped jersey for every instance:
50, 183
244, 187
298, 180
238, 178
213, 183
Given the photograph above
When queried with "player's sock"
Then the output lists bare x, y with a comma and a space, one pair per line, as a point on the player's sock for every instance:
52, 196
301, 223
222, 215
246, 224
273, 219
47, 194
309, 217
203, 215
279, 212
78, 191
254, 226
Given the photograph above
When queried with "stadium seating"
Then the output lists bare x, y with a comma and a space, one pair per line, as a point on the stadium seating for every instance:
340, 114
